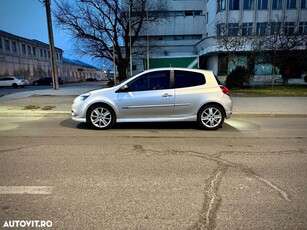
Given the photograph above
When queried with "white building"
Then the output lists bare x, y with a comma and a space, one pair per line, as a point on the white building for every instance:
172, 41
188, 37
30, 59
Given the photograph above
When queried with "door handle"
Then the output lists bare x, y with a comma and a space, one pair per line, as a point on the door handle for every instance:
166, 95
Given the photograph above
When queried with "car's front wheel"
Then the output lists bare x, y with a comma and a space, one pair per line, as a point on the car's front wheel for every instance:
210, 117
100, 116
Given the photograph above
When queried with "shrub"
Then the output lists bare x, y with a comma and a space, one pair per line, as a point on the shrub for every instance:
239, 77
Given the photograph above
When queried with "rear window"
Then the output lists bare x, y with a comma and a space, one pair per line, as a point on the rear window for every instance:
188, 79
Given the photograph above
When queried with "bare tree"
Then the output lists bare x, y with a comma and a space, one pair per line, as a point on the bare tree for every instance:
285, 46
231, 40
104, 27
281, 43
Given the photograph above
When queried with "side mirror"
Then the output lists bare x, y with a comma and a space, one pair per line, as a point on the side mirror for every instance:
125, 88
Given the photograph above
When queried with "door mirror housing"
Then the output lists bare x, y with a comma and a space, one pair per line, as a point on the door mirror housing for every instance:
123, 89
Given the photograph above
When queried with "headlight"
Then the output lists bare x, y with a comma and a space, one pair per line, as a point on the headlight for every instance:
82, 97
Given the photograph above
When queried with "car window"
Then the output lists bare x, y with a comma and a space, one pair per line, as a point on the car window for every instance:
151, 81
6, 79
188, 79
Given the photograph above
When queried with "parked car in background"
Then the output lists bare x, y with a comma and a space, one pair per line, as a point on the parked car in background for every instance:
14, 82
91, 79
47, 81
157, 95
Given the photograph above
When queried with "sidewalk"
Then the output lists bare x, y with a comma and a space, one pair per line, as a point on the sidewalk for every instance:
53, 103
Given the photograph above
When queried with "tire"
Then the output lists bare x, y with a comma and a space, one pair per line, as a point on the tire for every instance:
35, 83
210, 117
100, 117
15, 85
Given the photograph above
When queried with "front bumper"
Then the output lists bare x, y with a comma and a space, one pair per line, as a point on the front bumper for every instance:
78, 111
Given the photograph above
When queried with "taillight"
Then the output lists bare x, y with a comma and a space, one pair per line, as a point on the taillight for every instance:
224, 89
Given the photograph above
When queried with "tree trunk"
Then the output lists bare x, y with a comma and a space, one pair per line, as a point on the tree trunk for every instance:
122, 73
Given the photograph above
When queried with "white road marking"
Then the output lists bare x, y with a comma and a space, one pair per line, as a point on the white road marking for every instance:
36, 190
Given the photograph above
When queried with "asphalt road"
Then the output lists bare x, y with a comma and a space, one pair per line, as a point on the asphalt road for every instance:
251, 174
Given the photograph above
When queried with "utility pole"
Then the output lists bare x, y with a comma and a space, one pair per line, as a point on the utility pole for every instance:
51, 45
114, 58
130, 39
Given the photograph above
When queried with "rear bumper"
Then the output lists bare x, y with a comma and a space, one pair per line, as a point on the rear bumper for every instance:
228, 105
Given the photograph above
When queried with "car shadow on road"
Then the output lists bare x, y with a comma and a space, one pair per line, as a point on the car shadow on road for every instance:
68, 123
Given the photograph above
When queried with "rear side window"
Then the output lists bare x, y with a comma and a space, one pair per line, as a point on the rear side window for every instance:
188, 79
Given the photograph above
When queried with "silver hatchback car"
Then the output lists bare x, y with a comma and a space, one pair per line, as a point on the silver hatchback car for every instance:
157, 95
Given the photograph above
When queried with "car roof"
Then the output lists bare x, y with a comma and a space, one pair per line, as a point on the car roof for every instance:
179, 68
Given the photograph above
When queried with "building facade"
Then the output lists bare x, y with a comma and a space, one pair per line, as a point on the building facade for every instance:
30, 59
193, 27
282, 21
171, 42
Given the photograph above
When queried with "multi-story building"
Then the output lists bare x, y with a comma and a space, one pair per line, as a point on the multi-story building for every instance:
249, 20
189, 37
30, 59
172, 41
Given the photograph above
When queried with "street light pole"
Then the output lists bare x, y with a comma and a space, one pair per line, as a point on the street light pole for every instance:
51, 45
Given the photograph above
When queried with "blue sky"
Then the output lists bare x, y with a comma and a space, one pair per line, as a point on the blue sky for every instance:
27, 18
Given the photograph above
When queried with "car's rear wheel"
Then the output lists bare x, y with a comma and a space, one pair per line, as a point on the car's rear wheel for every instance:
101, 117
210, 117
15, 85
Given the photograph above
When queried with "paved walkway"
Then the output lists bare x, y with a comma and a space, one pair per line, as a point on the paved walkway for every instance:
51, 102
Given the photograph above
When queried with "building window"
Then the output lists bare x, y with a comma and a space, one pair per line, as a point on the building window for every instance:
289, 28
247, 29
45, 54
7, 45
188, 13
275, 28
248, 4
197, 12
233, 29
221, 5
41, 53
24, 50
34, 51
262, 4
277, 4
261, 28
302, 28
14, 46
29, 50
1, 46
220, 29
234, 4
291, 4
178, 13
304, 4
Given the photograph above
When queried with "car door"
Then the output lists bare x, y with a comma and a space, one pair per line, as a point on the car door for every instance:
7, 81
148, 96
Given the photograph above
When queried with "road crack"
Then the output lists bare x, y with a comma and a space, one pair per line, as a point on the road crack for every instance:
212, 200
